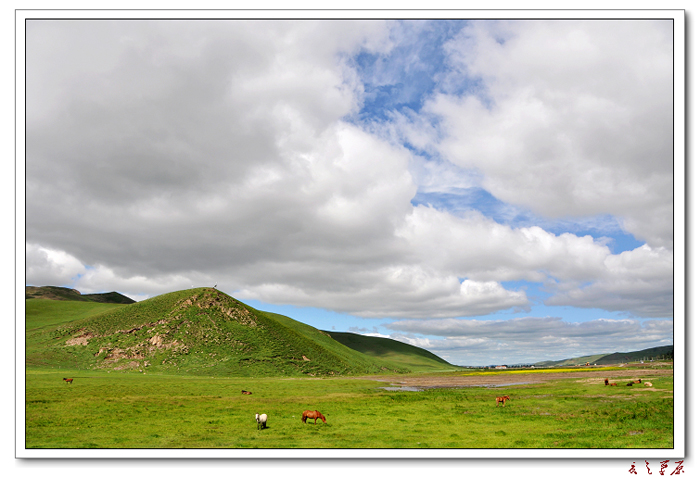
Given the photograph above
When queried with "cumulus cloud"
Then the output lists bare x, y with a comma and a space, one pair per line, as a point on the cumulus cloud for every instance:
46, 266
49, 267
183, 151
476, 246
572, 118
401, 292
162, 155
639, 281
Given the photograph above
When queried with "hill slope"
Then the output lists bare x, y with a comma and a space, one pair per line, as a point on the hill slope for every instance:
200, 331
572, 361
614, 358
44, 316
645, 354
401, 354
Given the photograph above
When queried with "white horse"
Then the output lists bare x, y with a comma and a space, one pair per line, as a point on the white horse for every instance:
261, 420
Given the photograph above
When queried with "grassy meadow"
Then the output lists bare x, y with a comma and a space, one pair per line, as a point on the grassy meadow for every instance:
191, 397
136, 410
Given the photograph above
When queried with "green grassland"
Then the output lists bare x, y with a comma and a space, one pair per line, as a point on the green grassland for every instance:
136, 410
168, 373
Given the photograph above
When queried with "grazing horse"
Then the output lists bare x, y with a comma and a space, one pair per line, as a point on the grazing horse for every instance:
246, 392
68, 380
503, 400
607, 383
613, 384
638, 381
648, 384
261, 419
630, 383
312, 415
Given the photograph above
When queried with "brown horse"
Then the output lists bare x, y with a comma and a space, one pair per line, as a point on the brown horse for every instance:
312, 415
503, 400
638, 381
613, 384
246, 392
607, 382
68, 380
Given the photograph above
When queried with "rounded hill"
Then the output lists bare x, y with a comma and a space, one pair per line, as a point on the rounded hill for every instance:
204, 331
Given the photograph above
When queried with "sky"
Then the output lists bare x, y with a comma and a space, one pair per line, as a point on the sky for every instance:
497, 192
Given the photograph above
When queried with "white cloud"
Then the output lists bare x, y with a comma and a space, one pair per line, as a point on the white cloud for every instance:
574, 119
638, 281
52, 267
398, 292
479, 248
45, 266
419, 275
216, 152
161, 145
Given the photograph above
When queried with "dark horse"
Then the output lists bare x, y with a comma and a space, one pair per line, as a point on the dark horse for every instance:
68, 380
312, 415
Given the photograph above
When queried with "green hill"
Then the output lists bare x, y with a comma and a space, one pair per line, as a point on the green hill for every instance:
591, 359
659, 352
200, 331
401, 354
44, 316
69, 294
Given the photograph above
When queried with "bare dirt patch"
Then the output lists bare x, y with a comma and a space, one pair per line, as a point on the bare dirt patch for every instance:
213, 299
80, 340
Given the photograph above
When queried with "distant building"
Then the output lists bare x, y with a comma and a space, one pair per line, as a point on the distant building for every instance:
502, 367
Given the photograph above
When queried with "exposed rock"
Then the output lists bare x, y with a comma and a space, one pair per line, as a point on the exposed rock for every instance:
80, 340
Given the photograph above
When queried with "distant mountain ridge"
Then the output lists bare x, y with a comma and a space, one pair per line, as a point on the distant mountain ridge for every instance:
658, 352
69, 294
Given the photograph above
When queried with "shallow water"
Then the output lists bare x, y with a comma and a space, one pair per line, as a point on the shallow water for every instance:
416, 389
402, 388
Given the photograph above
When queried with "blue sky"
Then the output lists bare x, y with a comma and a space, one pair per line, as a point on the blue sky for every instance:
410, 72
493, 191
406, 77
